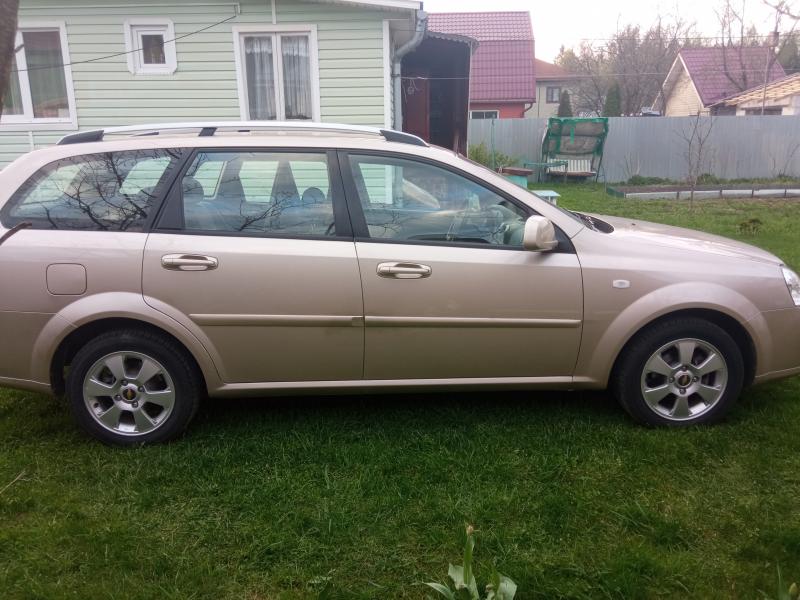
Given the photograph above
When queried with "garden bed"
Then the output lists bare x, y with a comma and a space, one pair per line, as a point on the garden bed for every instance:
706, 191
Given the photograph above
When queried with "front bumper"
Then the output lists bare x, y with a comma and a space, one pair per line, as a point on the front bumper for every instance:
781, 355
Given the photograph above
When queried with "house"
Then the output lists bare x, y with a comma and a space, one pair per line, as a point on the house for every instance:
700, 77
551, 80
101, 63
434, 85
502, 80
780, 97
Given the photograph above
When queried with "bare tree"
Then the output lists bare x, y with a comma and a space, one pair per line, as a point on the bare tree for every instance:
695, 135
631, 166
8, 32
589, 65
785, 8
636, 59
782, 161
738, 35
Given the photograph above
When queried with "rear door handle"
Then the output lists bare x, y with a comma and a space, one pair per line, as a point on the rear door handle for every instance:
189, 262
403, 270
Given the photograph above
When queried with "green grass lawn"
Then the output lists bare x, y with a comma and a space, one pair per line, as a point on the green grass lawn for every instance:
265, 498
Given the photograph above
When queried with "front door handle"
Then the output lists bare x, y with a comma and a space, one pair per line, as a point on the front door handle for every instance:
403, 270
189, 262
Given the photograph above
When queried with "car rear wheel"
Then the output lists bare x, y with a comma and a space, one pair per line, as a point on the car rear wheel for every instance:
679, 372
133, 387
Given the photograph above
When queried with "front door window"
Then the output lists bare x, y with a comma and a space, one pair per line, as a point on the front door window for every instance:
414, 201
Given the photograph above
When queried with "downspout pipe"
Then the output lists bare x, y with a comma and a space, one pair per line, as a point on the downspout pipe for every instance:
420, 27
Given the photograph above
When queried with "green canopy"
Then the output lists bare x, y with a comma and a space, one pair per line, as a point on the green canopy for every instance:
570, 138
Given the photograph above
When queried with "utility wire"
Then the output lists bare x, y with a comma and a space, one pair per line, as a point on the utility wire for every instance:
90, 60
571, 76
686, 39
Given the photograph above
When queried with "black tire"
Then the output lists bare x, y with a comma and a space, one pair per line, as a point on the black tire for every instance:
186, 378
626, 381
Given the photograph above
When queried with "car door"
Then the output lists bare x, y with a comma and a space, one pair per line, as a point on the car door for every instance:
255, 248
449, 291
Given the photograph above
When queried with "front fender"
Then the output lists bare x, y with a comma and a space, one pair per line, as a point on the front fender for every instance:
127, 305
604, 335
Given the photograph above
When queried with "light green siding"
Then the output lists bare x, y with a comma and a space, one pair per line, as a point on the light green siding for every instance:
351, 62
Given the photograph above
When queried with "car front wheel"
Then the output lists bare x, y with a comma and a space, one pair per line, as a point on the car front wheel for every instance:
133, 387
679, 372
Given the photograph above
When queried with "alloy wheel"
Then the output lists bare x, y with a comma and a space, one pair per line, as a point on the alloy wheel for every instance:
129, 393
684, 379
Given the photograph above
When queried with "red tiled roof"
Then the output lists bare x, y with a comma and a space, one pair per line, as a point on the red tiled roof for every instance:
707, 68
502, 65
484, 26
546, 70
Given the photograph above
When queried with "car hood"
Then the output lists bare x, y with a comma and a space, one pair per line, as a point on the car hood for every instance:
666, 236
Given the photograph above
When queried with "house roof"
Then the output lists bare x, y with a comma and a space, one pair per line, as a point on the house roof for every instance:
502, 65
484, 26
780, 88
719, 72
546, 70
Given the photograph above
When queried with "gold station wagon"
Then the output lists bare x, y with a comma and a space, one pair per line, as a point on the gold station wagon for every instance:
145, 267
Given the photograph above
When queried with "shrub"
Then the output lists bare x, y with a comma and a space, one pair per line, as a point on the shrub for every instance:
613, 103
708, 179
564, 104
481, 154
642, 180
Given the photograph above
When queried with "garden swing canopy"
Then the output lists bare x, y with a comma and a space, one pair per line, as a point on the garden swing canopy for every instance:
577, 141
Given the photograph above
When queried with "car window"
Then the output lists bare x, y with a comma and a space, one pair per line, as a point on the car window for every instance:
408, 200
259, 192
111, 191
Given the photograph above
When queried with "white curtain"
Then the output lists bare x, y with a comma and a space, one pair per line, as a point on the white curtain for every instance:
296, 76
46, 74
260, 77
12, 102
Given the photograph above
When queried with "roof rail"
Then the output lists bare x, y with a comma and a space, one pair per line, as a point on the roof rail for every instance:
211, 128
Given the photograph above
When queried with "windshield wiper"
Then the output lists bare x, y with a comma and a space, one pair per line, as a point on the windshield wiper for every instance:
15, 229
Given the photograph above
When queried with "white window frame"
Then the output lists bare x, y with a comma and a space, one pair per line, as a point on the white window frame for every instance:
239, 33
26, 121
134, 29
491, 110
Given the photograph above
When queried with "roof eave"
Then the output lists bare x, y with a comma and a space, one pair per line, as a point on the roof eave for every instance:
383, 4
453, 37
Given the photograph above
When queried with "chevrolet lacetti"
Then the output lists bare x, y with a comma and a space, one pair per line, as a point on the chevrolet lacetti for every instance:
145, 267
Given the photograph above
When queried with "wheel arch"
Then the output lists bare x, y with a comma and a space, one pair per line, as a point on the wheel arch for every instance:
723, 320
78, 337
604, 340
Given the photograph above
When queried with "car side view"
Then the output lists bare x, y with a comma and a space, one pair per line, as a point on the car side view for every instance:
145, 267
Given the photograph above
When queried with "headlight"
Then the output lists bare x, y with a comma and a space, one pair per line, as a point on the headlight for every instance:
793, 283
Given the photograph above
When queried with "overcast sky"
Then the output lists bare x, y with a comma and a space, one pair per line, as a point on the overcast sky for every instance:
567, 22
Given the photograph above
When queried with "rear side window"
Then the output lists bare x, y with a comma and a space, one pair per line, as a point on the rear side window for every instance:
111, 191
260, 193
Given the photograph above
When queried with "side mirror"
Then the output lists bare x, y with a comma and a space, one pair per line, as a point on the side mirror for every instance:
539, 235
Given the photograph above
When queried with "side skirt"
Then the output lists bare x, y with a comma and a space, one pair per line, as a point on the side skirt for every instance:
283, 388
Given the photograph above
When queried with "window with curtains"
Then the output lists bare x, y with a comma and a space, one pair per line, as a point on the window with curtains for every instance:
276, 71
39, 81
